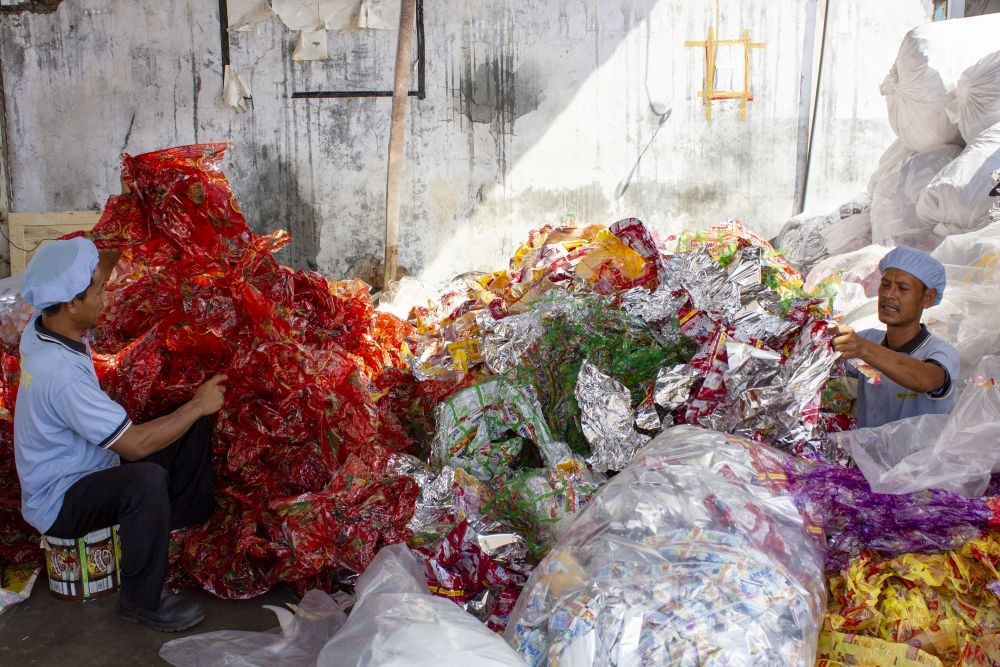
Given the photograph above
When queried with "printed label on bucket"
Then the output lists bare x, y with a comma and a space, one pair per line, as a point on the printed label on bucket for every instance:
85, 567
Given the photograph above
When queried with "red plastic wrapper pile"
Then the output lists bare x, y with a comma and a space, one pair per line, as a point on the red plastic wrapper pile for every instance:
18, 540
300, 445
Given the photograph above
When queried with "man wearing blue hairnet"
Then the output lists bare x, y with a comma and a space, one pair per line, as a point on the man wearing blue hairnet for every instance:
917, 368
70, 439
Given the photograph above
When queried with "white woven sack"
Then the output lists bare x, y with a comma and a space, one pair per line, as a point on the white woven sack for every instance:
922, 81
894, 202
890, 160
958, 200
977, 97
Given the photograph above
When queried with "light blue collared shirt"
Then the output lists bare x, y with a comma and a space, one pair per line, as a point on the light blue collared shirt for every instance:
64, 423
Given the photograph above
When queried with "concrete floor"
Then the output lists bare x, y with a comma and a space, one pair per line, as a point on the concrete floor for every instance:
45, 631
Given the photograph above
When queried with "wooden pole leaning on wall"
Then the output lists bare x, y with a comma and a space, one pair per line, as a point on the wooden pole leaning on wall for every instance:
397, 137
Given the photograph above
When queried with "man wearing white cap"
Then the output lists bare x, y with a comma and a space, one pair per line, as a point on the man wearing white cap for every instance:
70, 439
917, 368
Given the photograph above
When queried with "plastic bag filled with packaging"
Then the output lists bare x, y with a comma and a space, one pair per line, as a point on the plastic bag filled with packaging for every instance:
957, 199
894, 199
396, 622
977, 98
696, 549
921, 83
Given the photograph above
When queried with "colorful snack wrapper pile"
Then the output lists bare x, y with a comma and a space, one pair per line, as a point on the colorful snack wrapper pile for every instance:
946, 604
619, 346
686, 305
18, 540
605, 260
764, 355
460, 568
607, 419
836, 649
536, 502
696, 549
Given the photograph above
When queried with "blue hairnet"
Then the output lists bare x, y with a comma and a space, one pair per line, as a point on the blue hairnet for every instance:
918, 264
58, 271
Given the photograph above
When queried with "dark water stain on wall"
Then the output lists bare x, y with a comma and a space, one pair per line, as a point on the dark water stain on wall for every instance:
277, 203
497, 92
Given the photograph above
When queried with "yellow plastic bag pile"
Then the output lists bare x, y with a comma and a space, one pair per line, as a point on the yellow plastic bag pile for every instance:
917, 609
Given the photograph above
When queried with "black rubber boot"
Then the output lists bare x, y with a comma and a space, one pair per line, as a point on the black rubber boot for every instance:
173, 614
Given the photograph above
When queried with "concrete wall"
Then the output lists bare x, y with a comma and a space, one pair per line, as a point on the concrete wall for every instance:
535, 111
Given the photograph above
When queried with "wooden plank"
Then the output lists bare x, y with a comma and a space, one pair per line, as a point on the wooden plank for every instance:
28, 231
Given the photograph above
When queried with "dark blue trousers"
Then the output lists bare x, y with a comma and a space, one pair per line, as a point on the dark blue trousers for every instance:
173, 488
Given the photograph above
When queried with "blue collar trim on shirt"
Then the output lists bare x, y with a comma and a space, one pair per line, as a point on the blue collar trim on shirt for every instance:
52, 337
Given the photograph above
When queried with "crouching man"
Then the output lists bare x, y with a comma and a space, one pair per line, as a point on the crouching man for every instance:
83, 465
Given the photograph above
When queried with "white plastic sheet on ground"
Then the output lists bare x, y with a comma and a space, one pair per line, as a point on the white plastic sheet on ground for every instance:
922, 81
954, 452
295, 644
693, 555
976, 106
894, 200
396, 622
957, 199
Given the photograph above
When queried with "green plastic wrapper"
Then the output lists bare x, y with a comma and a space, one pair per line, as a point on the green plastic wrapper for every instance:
485, 429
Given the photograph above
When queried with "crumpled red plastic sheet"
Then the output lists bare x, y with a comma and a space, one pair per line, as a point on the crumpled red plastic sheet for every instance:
198, 293
19, 541
344, 525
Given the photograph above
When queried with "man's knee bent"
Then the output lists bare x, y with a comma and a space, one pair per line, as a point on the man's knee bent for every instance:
149, 483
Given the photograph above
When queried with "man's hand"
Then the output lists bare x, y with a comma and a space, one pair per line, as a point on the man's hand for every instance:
848, 342
141, 440
210, 396
108, 260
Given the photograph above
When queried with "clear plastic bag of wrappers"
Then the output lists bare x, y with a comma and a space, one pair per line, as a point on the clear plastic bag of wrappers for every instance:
695, 554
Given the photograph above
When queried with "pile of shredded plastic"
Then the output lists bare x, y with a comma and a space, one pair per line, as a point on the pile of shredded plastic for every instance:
301, 445
475, 430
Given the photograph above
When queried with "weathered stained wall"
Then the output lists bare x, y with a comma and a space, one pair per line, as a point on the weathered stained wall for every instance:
534, 111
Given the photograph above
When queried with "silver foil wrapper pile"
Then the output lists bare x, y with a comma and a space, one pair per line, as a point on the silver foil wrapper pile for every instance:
607, 419
434, 508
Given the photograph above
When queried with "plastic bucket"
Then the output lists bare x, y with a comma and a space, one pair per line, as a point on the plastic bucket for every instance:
84, 568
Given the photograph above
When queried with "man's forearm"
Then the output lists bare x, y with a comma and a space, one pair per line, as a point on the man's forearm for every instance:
904, 370
141, 440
